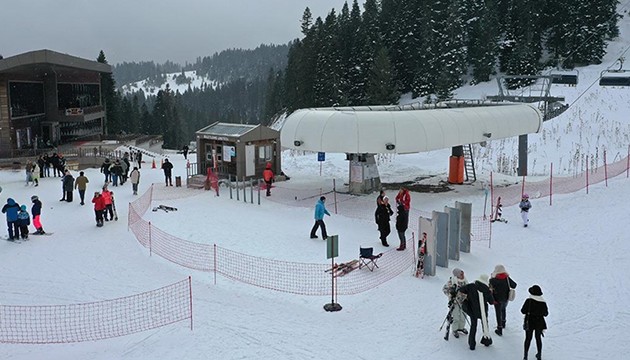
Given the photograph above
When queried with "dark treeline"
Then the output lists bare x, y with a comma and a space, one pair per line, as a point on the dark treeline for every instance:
369, 56
128, 72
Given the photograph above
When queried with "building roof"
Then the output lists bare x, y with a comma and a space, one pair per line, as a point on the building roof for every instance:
227, 129
405, 131
40, 61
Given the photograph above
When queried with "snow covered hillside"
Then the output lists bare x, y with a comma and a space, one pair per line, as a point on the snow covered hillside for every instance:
174, 81
575, 250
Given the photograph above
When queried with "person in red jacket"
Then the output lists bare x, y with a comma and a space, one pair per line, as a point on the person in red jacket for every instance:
99, 208
404, 198
268, 177
108, 198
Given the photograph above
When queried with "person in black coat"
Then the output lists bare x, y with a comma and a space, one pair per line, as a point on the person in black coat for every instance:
500, 285
382, 217
474, 308
535, 309
168, 169
402, 222
68, 186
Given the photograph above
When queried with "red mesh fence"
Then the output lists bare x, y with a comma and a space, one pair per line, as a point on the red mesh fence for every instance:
96, 320
511, 195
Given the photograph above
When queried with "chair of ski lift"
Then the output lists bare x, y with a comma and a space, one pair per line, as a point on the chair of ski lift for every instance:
565, 77
368, 259
615, 78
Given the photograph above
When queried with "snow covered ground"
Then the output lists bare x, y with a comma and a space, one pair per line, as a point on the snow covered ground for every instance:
575, 250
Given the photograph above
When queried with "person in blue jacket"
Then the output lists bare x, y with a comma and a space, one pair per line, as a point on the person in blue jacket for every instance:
11, 208
320, 211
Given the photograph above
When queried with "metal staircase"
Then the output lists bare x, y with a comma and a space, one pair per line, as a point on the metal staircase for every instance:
469, 164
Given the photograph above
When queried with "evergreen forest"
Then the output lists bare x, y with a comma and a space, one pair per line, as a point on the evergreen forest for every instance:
366, 54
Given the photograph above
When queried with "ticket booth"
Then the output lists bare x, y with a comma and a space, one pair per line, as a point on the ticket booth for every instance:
237, 150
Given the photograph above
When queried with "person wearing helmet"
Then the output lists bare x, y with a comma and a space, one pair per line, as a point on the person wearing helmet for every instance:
24, 220
36, 212
525, 205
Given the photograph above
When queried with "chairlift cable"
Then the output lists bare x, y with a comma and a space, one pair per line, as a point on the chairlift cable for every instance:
599, 77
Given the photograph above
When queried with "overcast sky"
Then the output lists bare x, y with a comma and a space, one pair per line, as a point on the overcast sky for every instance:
158, 30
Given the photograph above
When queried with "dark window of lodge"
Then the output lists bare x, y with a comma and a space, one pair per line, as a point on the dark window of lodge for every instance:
27, 98
78, 95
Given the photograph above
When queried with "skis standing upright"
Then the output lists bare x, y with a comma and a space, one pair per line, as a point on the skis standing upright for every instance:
498, 212
114, 208
421, 251
449, 319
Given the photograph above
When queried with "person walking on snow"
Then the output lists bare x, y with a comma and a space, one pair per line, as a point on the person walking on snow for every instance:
36, 211
478, 297
168, 169
382, 218
24, 220
268, 178
35, 174
455, 299
535, 310
99, 208
105, 169
11, 208
320, 211
81, 184
525, 205
500, 285
134, 177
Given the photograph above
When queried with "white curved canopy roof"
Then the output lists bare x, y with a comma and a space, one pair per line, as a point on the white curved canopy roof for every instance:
410, 131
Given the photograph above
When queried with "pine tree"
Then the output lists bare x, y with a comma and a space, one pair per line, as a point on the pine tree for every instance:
328, 70
381, 88
109, 99
482, 37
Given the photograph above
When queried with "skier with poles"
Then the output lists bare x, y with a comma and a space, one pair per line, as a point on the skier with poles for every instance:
455, 299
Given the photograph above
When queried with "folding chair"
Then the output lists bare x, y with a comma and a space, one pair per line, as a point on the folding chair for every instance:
368, 259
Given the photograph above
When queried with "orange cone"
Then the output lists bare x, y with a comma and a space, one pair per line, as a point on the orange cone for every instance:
153, 165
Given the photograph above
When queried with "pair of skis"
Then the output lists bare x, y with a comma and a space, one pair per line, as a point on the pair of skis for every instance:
422, 243
344, 268
165, 208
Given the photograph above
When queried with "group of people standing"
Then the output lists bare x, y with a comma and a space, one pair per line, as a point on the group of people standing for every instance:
18, 218
383, 214
472, 300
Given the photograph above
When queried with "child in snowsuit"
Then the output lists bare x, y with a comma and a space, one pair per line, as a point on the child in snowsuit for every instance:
525, 205
36, 211
24, 220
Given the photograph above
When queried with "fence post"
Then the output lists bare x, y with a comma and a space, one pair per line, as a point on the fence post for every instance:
150, 250
191, 305
628, 163
551, 184
244, 190
214, 255
335, 195
491, 197
230, 184
238, 194
251, 193
605, 169
259, 182
587, 174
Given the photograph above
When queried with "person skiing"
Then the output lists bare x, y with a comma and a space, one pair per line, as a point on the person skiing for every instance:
36, 211
81, 184
478, 297
11, 208
99, 208
268, 178
535, 310
500, 285
168, 168
455, 299
382, 216
402, 222
320, 211
24, 220
525, 205
134, 177
108, 198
